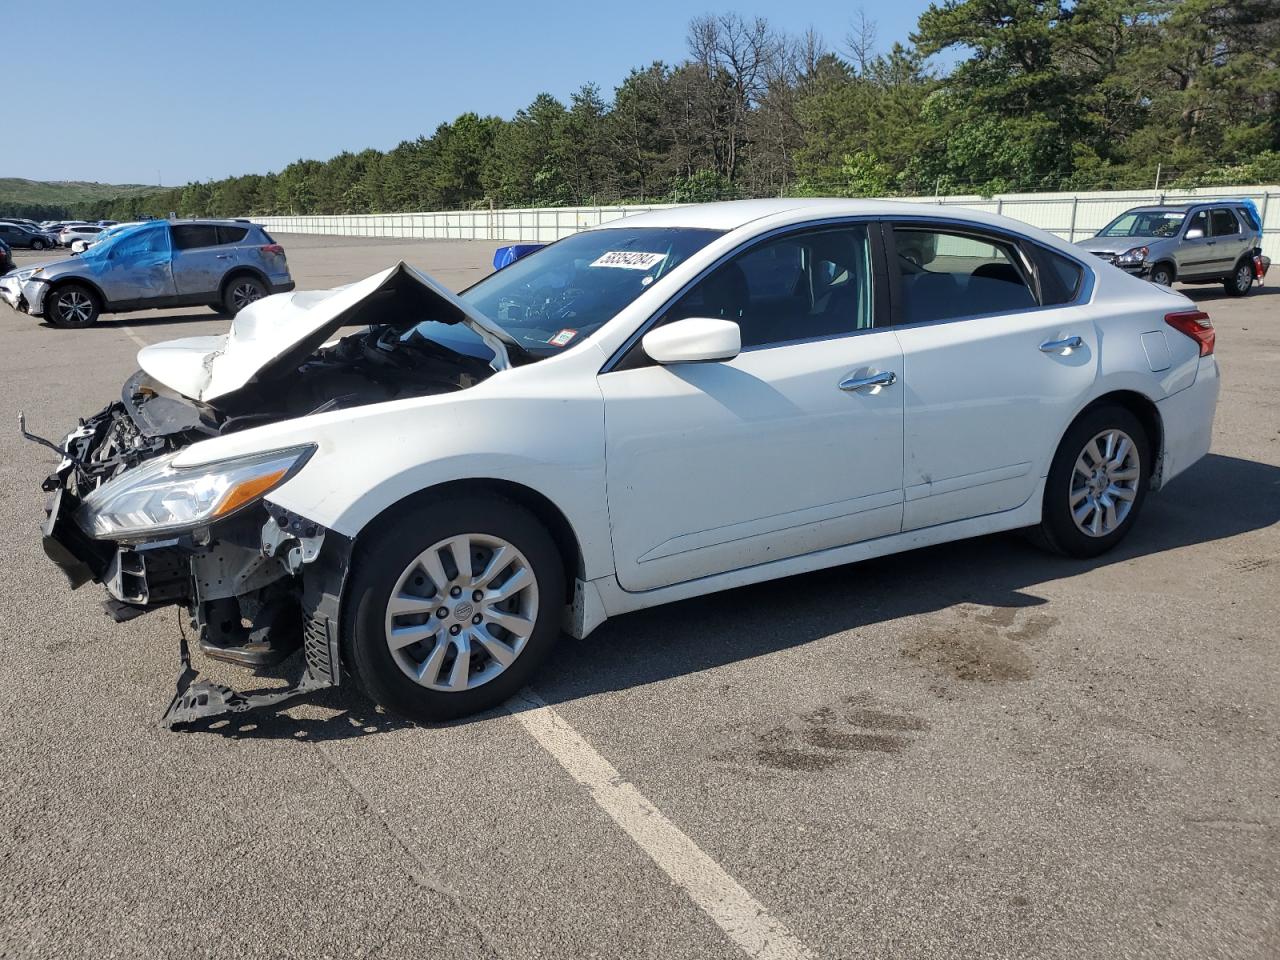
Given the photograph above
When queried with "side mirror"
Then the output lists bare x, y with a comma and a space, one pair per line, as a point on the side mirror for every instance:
694, 340
1195, 233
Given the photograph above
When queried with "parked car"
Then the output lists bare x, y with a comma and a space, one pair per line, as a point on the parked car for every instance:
84, 231
80, 246
22, 222
668, 405
1208, 241
6, 258
17, 235
219, 263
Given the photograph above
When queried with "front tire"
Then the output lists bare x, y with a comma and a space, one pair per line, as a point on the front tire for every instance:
240, 292
37, 244
1241, 280
1097, 482
1162, 275
478, 578
72, 306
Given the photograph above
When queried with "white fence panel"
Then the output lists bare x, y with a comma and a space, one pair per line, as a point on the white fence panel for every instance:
1072, 216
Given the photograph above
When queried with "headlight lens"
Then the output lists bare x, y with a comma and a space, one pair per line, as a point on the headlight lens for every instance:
158, 498
1136, 255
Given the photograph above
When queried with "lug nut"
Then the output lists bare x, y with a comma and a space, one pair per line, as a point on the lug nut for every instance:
455, 592
478, 596
453, 631
477, 618
442, 612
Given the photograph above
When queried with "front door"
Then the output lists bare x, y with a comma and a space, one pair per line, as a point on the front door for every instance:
135, 267
787, 449
991, 374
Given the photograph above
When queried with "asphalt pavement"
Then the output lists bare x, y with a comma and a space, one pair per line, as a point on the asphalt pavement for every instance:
974, 750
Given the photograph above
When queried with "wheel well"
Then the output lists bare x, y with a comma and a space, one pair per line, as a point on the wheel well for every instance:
1145, 410
79, 281
242, 272
1173, 270
547, 513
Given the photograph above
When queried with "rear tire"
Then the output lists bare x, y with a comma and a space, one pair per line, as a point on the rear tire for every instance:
1097, 483
390, 560
1162, 275
240, 291
72, 306
1241, 280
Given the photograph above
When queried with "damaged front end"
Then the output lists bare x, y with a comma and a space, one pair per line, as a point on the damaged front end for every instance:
257, 582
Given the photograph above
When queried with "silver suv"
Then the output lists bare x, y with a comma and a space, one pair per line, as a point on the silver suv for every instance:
1209, 241
225, 264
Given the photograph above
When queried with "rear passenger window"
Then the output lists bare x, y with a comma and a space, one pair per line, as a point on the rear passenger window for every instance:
944, 276
189, 236
1250, 218
1225, 223
231, 234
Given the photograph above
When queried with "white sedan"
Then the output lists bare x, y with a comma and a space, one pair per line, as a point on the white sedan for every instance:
671, 404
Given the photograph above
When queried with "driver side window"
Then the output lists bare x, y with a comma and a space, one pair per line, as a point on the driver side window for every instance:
800, 286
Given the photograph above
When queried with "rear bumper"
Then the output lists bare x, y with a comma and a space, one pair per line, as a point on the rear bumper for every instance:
1187, 417
281, 286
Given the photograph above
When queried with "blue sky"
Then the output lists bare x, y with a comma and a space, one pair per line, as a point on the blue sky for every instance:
198, 90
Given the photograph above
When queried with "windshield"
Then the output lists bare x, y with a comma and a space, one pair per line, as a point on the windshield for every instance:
1145, 223
562, 293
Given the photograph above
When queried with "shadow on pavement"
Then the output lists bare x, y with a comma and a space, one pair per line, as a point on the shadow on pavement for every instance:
996, 571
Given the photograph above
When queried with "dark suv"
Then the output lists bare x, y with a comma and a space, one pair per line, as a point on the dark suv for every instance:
225, 264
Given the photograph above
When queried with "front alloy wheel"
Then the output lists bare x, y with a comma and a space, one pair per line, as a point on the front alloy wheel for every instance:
461, 612
72, 306
452, 606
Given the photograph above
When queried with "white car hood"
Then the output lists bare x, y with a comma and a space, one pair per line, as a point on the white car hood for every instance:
282, 330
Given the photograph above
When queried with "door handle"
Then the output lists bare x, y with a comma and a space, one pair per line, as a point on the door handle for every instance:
886, 379
1053, 346
223, 256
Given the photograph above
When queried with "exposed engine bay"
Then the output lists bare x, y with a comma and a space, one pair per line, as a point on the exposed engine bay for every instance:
259, 582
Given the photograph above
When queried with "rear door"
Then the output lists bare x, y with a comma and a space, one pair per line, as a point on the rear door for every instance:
198, 261
991, 374
1230, 239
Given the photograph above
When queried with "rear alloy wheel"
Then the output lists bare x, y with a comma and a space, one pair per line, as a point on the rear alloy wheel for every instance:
72, 306
241, 292
1097, 483
454, 607
1241, 281
1161, 275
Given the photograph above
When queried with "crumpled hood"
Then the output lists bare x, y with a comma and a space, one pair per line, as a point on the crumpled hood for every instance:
277, 333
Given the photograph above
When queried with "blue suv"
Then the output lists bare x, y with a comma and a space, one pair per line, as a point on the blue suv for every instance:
224, 264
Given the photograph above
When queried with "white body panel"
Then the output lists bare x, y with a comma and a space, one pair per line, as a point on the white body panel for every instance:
689, 478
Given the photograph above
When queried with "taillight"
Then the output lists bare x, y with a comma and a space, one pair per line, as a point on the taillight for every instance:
272, 248
1258, 271
1196, 325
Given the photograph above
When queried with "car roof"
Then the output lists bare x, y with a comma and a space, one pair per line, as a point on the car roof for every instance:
212, 222
732, 214
1185, 205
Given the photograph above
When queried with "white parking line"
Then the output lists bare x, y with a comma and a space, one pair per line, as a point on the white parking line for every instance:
134, 337
736, 912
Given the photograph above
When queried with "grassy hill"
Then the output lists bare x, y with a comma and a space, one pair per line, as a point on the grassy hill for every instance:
19, 197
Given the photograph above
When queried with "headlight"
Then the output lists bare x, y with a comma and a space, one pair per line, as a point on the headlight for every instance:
158, 498
1136, 255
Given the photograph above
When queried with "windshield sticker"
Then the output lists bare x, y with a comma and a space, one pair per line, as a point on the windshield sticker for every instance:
629, 260
562, 338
